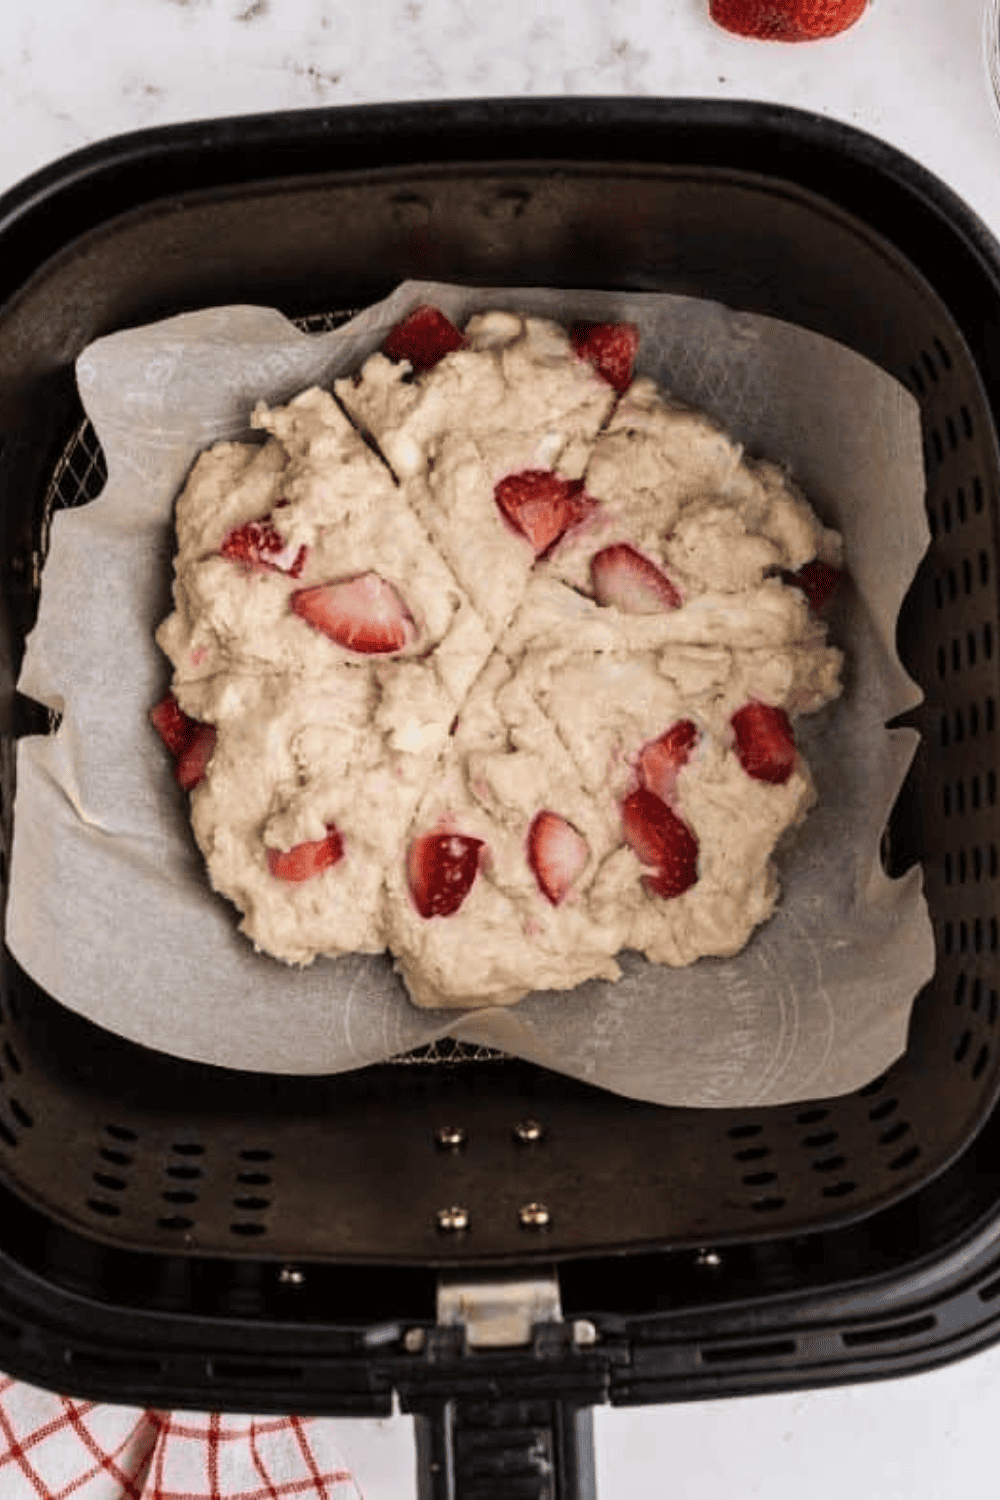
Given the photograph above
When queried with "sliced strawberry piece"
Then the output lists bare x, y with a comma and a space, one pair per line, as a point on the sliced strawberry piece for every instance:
192, 763
679, 871
542, 506
817, 580
172, 724
441, 868
623, 577
259, 544
363, 613
610, 348
423, 337
189, 741
786, 20
649, 826
660, 761
557, 853
661, 840
303, 861
765, 742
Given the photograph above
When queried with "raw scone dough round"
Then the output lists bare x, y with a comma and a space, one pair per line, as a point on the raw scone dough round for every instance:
515, 690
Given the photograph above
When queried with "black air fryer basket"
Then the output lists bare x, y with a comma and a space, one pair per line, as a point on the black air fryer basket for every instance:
500, 1246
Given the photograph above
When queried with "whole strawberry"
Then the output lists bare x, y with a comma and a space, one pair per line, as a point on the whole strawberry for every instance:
786, 20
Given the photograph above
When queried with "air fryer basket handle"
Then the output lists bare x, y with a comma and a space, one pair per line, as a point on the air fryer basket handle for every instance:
480, 1449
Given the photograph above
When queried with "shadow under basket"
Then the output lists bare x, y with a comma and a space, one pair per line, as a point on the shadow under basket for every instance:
174, 1233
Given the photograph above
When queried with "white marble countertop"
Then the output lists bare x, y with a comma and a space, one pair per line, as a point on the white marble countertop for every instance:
913, 73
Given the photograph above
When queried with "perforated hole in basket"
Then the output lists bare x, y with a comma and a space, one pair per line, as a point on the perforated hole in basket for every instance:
16, 1115
110, 1176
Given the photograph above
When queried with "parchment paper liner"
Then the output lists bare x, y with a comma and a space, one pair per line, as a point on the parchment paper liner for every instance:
110, 908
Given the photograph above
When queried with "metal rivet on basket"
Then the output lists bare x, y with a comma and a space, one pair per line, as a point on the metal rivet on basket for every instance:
710, 1258
453, 1219
291, 1276
584, 1332
415, 1340
451, 1137
528, 1131
534, 1216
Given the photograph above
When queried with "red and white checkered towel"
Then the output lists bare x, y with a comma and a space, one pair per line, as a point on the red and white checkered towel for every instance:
54, 1448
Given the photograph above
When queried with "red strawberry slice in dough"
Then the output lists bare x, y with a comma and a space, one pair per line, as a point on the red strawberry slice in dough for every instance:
542, 506
557, 854
189, 741
650, 827
679, 872
423, 337
304, 861
632, 583
441, 868
786, 20
192, 763
817, 580
660, 761
172, 724
363, 613
259, 544
610, 348
765, 742
661, 841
